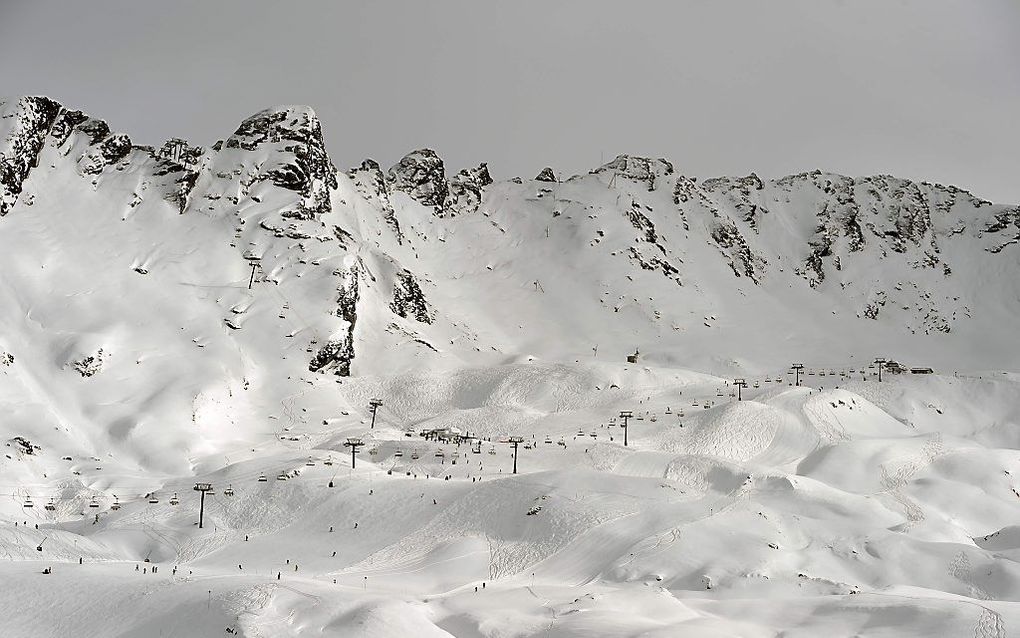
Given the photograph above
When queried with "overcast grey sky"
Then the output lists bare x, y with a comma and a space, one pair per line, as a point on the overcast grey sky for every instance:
925, 89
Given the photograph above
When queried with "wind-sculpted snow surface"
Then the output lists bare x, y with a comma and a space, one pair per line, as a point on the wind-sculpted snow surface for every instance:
225, 312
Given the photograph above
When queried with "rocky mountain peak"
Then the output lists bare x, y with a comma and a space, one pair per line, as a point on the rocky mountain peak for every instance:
465, 190
422, 176
546, 175
293, 131
638, 169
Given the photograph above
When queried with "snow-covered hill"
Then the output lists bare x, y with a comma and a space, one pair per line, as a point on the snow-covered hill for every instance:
218, 312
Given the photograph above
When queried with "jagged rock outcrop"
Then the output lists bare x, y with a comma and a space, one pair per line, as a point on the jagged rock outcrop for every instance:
741, 193
408, 299
422, 176
640, 169
369, 182
28, 123
180, 152
546, 175
338, 352
302, 163
1007, 223
742, 261
464, 194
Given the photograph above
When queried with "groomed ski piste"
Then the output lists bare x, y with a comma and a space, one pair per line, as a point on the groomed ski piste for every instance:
224, 317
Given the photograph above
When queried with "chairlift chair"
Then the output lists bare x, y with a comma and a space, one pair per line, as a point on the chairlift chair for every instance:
328, 461
152, 499
229, 491
310, 462
116, 503
51, 506
262, 478
174, 500
28, 502
492, 450
398, 454
281, 477
548, 439
440, 454
93, 503
414, 456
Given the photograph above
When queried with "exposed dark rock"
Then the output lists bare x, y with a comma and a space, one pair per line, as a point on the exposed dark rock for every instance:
303, 166
639, 169
422, 176
338, 353
640, 221
740, 193
741, 260
23, 445
89, 365
369, 182
464, 194
180, 152
19, 153
409, 300
546, 175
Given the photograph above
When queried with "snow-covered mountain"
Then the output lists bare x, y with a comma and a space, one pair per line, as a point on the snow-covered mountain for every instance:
162, 308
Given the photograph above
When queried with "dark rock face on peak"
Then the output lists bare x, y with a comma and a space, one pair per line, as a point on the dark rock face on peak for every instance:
28, 125
546, 175
294, 131
29, 121
369, 182
422, 176
739, 192
465, 190
179, 151
639, 169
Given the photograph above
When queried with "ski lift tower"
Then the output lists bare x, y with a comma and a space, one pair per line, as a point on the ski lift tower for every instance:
515, 441
625, 414
354, 443
740, 383
374, 405
797, 369
202, 488
880, 362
